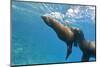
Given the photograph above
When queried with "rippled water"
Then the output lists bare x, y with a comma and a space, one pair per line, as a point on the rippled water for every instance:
33, 42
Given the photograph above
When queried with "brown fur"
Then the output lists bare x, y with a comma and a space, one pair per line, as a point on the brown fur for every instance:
66, 34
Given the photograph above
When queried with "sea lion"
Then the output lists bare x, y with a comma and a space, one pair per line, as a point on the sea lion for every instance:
87, 47
64, 33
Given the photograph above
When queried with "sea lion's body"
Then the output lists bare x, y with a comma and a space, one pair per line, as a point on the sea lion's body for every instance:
64, 33
87, 47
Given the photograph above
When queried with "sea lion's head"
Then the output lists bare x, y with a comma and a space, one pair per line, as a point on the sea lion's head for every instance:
48, 20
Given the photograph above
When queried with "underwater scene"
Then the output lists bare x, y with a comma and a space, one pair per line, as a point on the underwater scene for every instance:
38, 28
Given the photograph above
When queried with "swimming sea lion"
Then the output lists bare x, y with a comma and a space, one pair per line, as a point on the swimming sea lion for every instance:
87, 47
64, 33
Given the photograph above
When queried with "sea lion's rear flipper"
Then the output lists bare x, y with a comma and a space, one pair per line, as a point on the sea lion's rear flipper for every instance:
85, 58
69, 49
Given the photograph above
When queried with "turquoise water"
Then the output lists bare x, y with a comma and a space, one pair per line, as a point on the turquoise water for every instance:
33, 42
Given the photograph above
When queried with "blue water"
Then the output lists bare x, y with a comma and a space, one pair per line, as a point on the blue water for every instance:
33, 42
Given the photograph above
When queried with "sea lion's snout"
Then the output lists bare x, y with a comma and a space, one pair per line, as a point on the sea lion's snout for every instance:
43, 17
47, 20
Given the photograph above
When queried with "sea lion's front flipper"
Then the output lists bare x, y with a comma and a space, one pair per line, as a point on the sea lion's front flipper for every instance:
85, 58
69, 49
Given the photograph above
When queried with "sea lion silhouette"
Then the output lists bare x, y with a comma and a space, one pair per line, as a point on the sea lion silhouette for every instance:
87, 47
64, 33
